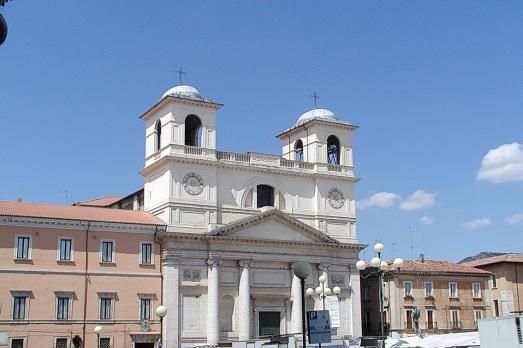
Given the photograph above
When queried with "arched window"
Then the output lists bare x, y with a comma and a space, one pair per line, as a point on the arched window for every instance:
158, 135
298, 150
264, 196
333, 150
193, 131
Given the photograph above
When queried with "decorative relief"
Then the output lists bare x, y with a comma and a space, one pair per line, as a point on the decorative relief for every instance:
192, 275
337, 279
193, 183
336, 198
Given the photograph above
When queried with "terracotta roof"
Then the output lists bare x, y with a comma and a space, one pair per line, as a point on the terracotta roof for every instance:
99, 202
439, 267
512, 258
51, 211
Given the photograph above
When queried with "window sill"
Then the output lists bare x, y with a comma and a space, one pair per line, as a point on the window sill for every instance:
19, 260
147, 265
429, 297
107, 264
65, 262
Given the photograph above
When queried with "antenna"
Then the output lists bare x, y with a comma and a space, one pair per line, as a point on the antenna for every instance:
66, 196
393, 250
411, 231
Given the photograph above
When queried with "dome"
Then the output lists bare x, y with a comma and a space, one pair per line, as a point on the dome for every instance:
184, 91
316, 114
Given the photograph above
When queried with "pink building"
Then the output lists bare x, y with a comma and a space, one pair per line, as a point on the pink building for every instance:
64, 270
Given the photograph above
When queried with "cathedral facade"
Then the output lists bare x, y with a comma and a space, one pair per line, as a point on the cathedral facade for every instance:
237, 222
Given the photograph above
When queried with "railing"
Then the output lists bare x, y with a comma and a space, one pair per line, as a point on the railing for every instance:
455, 325
431, 326
334, 168
296, 164
193, 150
235, 157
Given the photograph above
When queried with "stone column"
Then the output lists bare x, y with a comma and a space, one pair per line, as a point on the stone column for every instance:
213, 301
171, 295
244, 301
296, 305
355, 303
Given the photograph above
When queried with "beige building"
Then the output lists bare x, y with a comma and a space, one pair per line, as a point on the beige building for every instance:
506, 283
450, 297
65, 270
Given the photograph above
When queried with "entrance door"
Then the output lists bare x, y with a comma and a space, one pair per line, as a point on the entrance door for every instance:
144, 345
409, 320
269, 324
430, 320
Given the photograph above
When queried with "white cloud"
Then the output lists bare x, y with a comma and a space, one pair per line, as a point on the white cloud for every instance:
425, 220
477, 223
418, 200
502, 164
380, 199
514, 219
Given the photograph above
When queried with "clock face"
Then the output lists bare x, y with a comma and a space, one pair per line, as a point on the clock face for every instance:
335, 198
193, 184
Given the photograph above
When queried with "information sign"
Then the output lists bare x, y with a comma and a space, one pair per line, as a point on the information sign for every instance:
319, 328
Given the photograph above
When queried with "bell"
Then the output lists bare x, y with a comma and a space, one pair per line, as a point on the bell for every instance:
3, 29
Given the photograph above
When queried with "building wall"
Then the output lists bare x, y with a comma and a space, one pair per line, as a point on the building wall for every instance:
43, 276
509, 287
396, 303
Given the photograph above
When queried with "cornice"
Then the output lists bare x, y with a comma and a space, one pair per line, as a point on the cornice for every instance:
76, 224
169, 98
331, 124
80, 272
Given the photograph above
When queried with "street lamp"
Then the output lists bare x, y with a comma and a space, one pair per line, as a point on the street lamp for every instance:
302, 269
322, 292
380, 268
98, 330
161, 311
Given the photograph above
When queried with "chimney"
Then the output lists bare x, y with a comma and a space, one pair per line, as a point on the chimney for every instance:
422, 257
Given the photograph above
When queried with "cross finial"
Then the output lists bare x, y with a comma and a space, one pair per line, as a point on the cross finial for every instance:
66, 195
315, 96
180, 73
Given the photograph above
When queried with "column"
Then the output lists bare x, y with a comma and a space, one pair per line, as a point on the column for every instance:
244, 301
296, 305
171, 295
213, 301
355, 303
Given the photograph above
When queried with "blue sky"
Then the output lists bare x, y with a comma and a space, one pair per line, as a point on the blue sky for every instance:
433, 85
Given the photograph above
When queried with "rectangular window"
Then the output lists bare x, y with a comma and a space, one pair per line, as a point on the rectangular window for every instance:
105, 307
146, 253
17, 343
107, 251
496, 308
478, 314
453, 290
454, 318
66, 247
19, 307
428, 289
62, 307
494, 281
23, 247
60, 342
408, 289
476, 290
145, 309
105, 342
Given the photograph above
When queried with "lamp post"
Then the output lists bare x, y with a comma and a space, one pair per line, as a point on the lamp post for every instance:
380, 269
98, 330
161, 311
322, 292
302, 269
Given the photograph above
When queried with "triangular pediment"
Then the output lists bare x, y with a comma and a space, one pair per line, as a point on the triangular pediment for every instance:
272, 225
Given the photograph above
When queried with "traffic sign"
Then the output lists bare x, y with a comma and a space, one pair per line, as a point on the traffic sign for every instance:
319, 327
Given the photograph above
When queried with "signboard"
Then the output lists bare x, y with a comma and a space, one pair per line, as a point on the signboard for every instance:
318, 328
333, 306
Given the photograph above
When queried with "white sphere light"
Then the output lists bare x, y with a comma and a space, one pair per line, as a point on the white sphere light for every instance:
323, 278
302, 269
361, 265
378, 247
328, 291
309, 291
161, 311
384, 265
98, 329
319, 290
398, 262
336, 290
375, 262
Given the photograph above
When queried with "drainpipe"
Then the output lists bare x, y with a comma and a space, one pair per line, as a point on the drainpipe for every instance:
86, 280
156, 241
517, 284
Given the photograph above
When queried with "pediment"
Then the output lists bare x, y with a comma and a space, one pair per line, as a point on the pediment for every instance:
272, 225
